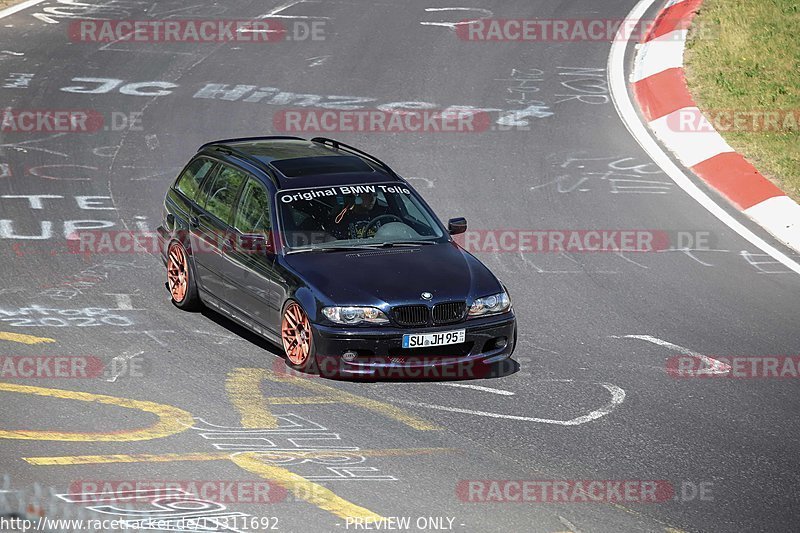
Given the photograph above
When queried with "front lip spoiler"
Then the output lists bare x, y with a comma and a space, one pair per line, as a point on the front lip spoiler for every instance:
369, 369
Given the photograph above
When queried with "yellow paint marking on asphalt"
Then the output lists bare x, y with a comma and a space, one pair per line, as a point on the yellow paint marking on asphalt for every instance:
245, 383
171, 420
24, 339
244, 391
140, 458
304, 489
219, 456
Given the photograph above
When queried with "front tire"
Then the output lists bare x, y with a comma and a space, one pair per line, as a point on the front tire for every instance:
298, 339
180, 278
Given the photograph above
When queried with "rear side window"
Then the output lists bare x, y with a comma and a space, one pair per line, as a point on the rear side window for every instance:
223, 191
189, 182
252, 216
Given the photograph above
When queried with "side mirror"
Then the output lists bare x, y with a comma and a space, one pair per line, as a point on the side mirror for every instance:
456, 226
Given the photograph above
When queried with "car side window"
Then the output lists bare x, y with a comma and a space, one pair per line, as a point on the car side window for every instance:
191, 179
223, 191
252, 215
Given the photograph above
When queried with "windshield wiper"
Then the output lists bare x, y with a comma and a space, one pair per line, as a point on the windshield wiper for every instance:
334, 249
390, 244
361, 247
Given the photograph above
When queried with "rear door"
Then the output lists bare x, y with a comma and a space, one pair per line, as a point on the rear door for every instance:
252, 278
184, 199
210, 228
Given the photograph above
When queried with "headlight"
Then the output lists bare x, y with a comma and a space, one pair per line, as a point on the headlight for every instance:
355, 315
490, 305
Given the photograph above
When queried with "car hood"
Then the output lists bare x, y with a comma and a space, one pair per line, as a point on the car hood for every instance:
395, 276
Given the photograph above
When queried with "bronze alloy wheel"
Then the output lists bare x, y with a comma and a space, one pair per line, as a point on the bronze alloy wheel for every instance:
178, 273
296, 335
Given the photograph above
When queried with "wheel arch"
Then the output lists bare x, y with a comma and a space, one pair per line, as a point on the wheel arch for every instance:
305, 297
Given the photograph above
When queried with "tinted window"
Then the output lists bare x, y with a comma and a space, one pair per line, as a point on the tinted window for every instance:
223, 191
252, 215
189, 182
354, 215
412, 209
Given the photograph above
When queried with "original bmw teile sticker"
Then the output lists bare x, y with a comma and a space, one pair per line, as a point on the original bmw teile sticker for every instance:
310, 194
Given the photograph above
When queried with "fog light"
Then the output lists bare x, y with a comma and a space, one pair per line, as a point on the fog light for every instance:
349, 355
497, 344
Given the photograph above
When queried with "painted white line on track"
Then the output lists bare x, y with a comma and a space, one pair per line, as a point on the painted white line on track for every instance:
478, 387
622, 102
19, 7
568, 524
121, 360
617, 397
713, 366
274, 12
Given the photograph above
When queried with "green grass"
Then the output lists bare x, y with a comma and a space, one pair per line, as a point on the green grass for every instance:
8, 3
746, 56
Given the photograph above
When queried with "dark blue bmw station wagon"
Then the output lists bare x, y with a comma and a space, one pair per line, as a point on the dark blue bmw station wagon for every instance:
325, 251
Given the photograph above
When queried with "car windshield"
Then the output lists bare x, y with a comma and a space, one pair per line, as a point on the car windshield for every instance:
355, 216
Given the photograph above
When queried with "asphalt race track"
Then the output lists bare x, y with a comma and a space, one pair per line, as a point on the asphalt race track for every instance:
588, 397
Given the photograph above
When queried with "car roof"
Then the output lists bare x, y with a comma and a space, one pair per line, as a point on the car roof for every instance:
295, 163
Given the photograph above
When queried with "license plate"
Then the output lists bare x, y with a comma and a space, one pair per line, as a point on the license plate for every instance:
423, 340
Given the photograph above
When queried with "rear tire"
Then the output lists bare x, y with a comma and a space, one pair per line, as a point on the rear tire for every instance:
298, 339
181, 279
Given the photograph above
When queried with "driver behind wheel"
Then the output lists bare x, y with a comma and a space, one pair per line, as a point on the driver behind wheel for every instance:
353, 221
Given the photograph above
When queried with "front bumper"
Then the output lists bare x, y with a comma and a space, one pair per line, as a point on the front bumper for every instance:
379, 351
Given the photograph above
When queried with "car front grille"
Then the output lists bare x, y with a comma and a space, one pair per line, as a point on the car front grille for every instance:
448, 313
411, 315
422, 315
